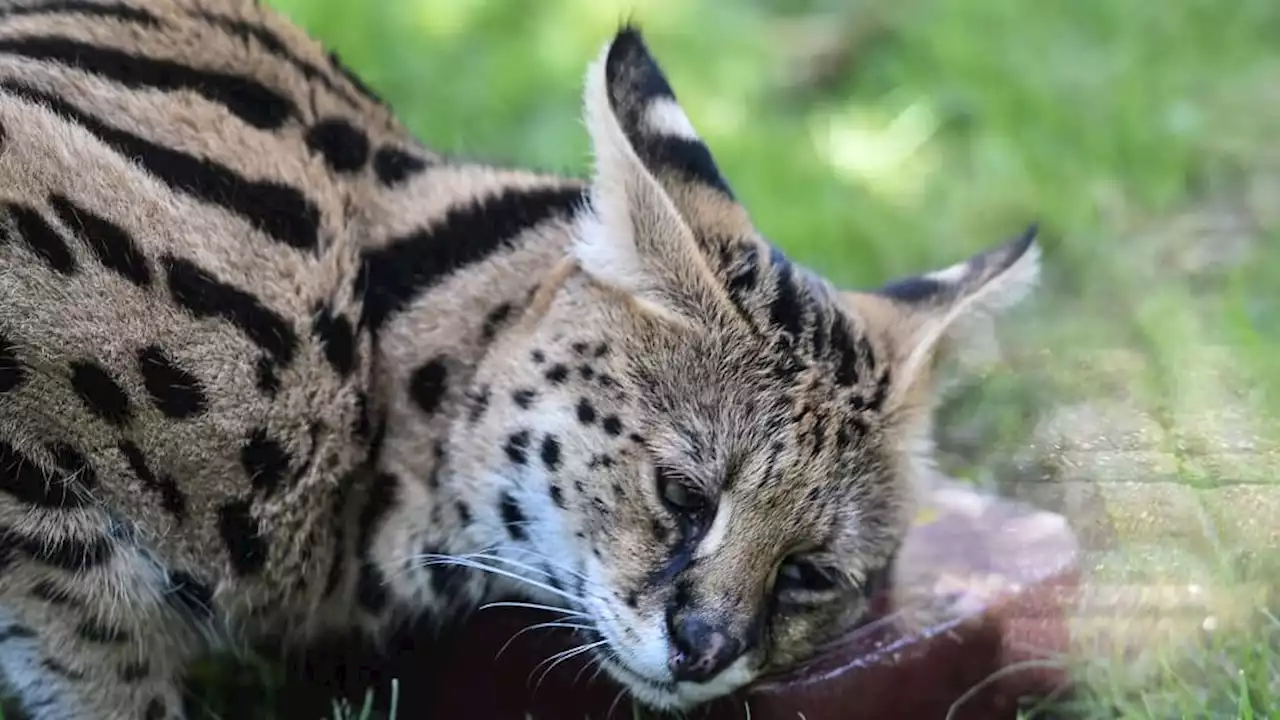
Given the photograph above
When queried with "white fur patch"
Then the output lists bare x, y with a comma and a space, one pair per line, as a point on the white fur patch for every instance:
950, 275
664, 116
718, 531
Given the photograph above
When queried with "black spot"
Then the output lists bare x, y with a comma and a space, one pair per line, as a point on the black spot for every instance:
173, 390
612, 425
636, 438
370, 592
395, 274
240, 533
382, 497
464, 512
632, 599
171, 498
265, 460
586, 413
607, 381
393, 165
427, 385
103, 397
578, 348
557, 496
109, 242
551, 453
58, 668
15, 631
523, 398
53, 594
12, 371
278, 210
494, 320
538, 357
344, 148
586, 372
557, 373
155, 709
517, 447
190, 593
444, 578
479, 402
42, 238
94, 631
660, 531
70, 554
268, 380
27, 482
134, 672
600, 461
601, 350
205, 296
82, 7
513, 517
338, 338
251, 101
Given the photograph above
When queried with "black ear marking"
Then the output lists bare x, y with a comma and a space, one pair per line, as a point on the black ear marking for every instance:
635, 84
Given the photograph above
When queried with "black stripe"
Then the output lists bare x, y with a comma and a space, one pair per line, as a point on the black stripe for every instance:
240, 532
785, 310
277, 47
113, 11
42, 239
689, 158
108, 241
845, 352
276, 209
251, 101
392, 276
70, 554
171, 498
31, 484
205, 296
72, 462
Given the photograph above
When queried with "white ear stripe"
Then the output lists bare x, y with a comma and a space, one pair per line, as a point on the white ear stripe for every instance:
998, 294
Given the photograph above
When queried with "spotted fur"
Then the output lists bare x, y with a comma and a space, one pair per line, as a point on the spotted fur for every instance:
270, 368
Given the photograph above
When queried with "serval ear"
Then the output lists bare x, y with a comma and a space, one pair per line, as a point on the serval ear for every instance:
921, 317
636, 237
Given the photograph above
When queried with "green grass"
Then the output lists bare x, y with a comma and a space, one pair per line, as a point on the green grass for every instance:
877, 138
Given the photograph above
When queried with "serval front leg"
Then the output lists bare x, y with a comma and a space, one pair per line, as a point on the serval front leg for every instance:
91, 627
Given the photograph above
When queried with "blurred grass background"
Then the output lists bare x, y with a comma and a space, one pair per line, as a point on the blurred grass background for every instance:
872, 138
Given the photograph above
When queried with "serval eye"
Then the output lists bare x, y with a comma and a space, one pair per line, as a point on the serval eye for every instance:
804, 576
679, 494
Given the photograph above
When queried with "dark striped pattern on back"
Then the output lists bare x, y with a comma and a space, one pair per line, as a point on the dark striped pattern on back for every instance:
392, 276
278, 210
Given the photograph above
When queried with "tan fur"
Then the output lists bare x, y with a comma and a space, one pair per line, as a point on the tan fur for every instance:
489, 367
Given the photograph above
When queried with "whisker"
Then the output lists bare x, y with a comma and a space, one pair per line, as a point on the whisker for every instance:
432, 559
597, 662
518, 633
533, 606
614, 704
554, 563
557, 658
